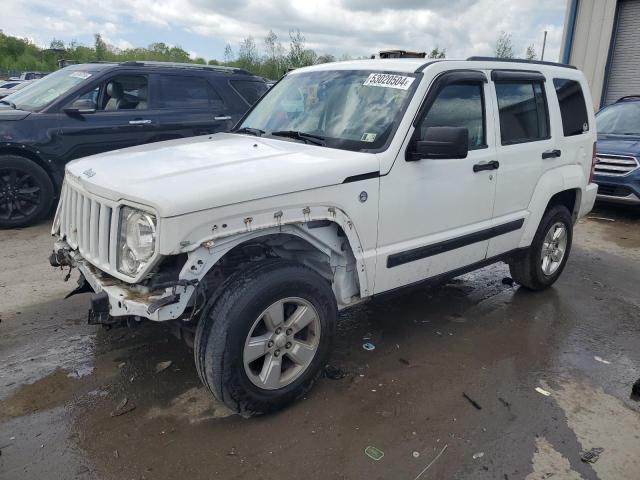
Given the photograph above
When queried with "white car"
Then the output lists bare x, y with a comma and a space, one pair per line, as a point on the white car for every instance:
13, 86
344, 182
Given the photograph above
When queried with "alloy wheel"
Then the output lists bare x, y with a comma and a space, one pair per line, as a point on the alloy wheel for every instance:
554, 247
20, 194
281, 343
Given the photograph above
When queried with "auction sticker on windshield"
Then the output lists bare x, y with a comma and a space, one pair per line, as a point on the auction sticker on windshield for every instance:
387, 80
82, 75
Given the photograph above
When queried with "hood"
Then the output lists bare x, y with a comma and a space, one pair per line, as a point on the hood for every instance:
618, 145
9, 113
187, 175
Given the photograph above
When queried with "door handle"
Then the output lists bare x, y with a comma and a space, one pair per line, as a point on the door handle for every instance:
227, 117
551, 154
492, 165
139, 122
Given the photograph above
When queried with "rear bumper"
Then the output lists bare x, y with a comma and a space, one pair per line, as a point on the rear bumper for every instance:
126, 299
588, 199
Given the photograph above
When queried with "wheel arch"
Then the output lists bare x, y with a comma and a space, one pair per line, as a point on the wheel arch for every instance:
29, 154
559, 186
328, 244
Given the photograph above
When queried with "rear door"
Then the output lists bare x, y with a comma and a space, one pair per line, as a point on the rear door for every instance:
525, 148
187, 105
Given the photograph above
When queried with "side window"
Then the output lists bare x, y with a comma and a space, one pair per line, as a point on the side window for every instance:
91, 95
458, 106
125, 92
573, 108
249, 90
524, 116
177, 91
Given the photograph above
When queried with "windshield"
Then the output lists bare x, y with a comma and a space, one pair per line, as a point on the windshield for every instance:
346, 109
619, 119
41, 93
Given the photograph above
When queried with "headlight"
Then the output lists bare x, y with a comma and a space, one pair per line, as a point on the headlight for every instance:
136, 240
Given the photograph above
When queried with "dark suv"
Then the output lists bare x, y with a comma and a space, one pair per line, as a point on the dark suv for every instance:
617, 171
86, 109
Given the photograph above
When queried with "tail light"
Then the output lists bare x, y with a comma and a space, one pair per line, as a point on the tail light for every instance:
593, 163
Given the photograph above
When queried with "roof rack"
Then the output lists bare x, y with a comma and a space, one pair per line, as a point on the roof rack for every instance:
627, 97
194, 66
519, 60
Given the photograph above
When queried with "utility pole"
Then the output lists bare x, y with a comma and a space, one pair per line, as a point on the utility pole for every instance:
544, 44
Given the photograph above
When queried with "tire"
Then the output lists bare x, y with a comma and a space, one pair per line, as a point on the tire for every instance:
530, 269
221, 347
26, 192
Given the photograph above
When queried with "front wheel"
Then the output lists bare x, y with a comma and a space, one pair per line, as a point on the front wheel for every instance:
263, 343
26, 192
541, 265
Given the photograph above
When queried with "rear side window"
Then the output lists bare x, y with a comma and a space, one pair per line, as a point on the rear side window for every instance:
524, 116
175, 91
249, 90
573, 108
458, 106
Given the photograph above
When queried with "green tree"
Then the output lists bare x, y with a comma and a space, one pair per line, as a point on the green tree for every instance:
274, 65
56, 44
100, 47
504, 46
437, 53
248, 57
228, 54
531, 54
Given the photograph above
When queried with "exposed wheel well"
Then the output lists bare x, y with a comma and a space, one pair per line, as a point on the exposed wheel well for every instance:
337, 265
567, 198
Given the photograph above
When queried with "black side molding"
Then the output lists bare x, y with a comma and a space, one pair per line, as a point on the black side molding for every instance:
441, 247
362, 176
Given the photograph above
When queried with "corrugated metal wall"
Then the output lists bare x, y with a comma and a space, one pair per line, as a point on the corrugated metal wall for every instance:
591, 40
624, 73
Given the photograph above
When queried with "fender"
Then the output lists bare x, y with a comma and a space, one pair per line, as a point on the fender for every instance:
556, 180
296, 221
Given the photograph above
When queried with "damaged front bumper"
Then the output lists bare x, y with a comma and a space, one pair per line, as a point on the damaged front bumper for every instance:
115, 298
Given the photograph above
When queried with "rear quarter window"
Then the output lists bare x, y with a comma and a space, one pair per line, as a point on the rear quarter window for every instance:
249, 90
573, 108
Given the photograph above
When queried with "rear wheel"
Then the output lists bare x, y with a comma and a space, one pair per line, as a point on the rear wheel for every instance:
263, 343
541, 265
26, 192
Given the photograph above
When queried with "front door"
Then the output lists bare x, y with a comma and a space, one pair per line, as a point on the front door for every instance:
121, 119
436, 214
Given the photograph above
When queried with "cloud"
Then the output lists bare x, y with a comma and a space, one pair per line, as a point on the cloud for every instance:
356, 27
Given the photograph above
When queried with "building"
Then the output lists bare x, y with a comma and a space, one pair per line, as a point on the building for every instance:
602, 38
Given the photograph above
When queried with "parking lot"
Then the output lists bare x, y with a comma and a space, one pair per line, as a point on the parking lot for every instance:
64, 383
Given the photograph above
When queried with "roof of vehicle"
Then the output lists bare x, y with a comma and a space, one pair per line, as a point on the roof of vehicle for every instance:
146, 63
414, 65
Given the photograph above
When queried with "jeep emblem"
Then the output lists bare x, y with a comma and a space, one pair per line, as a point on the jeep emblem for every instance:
363, 196
89, 173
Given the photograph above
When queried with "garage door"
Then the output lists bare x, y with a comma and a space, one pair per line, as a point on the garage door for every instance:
624, 75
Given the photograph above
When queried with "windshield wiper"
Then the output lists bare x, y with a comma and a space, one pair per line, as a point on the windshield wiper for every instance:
10, 103
305, 137
250, 130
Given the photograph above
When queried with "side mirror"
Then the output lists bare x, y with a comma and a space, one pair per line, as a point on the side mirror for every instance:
440, 142
82, 106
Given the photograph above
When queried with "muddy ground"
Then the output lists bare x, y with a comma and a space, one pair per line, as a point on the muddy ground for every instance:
61, 379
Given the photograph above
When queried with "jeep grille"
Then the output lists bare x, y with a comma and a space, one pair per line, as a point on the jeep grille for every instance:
89, 225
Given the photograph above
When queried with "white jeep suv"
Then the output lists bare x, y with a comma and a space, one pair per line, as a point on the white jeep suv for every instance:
345, 181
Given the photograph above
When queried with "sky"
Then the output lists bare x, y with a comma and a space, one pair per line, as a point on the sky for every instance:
351, 27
